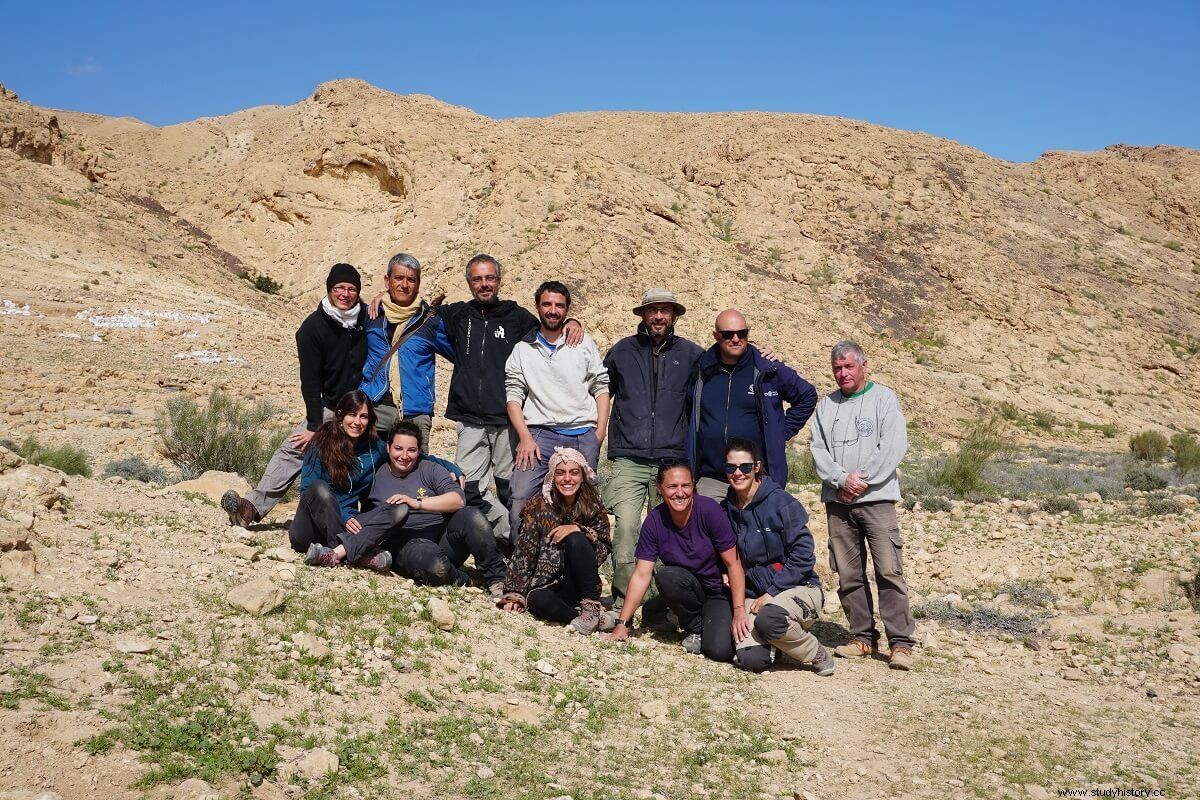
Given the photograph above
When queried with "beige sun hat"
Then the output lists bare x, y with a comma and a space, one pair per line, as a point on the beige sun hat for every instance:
652, 296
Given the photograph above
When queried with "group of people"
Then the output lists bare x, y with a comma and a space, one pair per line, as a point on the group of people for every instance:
705, 536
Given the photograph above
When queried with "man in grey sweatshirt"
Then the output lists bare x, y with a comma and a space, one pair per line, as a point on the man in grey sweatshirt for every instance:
858, 439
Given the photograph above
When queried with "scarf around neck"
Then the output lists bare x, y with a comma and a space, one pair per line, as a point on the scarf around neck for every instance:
399, 316
347, 319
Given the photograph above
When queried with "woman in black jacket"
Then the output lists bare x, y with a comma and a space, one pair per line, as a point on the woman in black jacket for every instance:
783, 592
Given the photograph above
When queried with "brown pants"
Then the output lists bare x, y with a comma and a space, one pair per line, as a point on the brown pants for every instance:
853, 530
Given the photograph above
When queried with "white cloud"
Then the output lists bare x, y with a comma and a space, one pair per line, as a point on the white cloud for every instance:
87, 67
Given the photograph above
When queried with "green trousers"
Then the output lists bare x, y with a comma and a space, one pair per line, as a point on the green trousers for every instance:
627, 494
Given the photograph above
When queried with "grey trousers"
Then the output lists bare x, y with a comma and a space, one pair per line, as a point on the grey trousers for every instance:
712, 488
853, 531
485, 455
784, 622
385, 418
282, 470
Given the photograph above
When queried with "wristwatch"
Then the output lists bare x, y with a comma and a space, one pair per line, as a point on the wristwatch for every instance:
627, 624
420, 503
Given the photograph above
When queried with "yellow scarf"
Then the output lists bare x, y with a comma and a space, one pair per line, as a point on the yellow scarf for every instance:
399, 316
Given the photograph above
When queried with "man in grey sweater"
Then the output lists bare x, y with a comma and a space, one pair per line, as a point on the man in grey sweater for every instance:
858, 439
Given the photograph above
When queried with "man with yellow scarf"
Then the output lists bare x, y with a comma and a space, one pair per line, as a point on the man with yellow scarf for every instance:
401, 384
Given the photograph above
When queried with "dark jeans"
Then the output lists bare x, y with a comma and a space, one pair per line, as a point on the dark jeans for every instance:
579, 580
710, 615
439, 563
318, 518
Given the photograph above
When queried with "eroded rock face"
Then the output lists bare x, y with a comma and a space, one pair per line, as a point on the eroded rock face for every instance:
31, 486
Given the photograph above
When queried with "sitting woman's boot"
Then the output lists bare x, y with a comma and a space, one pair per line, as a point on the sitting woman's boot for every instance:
590, 612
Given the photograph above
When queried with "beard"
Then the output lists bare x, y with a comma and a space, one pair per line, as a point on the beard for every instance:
555, 325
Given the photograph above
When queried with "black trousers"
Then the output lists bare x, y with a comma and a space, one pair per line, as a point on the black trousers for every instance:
318, 519
710, 615
578, 581
436, 558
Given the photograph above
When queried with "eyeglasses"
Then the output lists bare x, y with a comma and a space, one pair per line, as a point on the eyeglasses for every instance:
741, 334
745, 468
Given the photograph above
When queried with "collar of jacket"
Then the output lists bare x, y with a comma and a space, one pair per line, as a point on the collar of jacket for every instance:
710, 361
496, 309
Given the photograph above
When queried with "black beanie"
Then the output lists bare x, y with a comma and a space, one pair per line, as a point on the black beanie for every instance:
343, 273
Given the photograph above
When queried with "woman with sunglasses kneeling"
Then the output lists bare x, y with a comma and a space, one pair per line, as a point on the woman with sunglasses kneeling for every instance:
691, 536
776, 548
561, 543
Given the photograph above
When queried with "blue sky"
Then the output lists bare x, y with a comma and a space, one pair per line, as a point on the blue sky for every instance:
1014, 79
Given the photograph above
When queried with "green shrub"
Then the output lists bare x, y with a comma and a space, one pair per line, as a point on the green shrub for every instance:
1148, 446
1144, 479
224, 435
1028, 593
1043, 419
1056, 505
1009, 411
801, 470
1171, 244
962, 473
65, 458
135, 469
1163, 506
1107, 429
1186, 452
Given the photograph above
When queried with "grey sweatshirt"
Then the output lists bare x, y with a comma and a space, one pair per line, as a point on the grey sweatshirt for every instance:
864, 432
559, 390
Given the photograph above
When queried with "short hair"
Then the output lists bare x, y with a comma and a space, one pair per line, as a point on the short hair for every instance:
482, 258
405, 427
557, 287
672, 463
845, 348
403, 260
744, 445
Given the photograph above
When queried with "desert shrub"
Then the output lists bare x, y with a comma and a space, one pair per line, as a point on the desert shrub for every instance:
1106, 429
1043, 419
1008, 410
1144, 479
962, 473
1148, 446
1163, 506
1058, 504
224, 435
136, 469
801, 470
1028, 593
65, 458
979, 618
928, 502
1186, 452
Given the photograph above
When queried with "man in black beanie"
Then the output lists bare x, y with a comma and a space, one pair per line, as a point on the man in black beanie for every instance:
332, 346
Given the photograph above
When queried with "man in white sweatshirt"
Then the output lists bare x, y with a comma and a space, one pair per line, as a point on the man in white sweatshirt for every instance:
858, 439
557, 396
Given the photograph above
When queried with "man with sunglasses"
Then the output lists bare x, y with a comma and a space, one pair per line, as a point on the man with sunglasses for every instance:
738, 393
859, 437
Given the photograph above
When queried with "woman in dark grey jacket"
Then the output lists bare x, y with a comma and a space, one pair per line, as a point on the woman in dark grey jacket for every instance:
783, 592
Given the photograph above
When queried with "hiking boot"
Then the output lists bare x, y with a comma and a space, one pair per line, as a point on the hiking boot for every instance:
823, 664
496, 590
240, 510
321, 556
856, 648
691, 643
608, 622
380, 561
901, 658
588, 620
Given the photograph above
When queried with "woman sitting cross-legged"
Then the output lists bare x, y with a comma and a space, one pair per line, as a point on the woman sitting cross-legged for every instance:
691, 536
562, 540
776, 549
339, 467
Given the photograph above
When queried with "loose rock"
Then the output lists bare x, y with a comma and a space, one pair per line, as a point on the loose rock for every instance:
259, 596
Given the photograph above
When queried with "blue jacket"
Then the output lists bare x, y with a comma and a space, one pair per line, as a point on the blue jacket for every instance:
417, 363
774, 542
370, 459
774, 383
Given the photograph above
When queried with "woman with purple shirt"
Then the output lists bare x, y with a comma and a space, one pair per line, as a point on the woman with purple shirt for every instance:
692, 537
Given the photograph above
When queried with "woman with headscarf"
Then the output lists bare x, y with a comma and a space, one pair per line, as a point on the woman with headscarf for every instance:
562, 540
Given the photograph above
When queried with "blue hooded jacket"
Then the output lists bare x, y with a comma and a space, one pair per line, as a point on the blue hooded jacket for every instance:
774, 383
417, 362
371, 455
774, 542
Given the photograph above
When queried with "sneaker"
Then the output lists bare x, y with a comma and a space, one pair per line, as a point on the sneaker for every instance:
588, 620
321, 556
856, 648
380, 561
496, 590
823, 664
240, 510
691, 643
901, 658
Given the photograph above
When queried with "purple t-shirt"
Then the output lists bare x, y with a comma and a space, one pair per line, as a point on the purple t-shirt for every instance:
697, 547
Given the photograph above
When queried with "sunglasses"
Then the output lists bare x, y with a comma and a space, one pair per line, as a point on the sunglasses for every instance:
741, 334
745, 468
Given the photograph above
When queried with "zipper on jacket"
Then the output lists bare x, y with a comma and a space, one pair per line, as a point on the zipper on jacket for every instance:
482, 347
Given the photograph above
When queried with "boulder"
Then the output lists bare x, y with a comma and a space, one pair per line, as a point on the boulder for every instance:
31, 486
18, 564
259, 596
213, 484
315, 646
196, 789
312, 765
